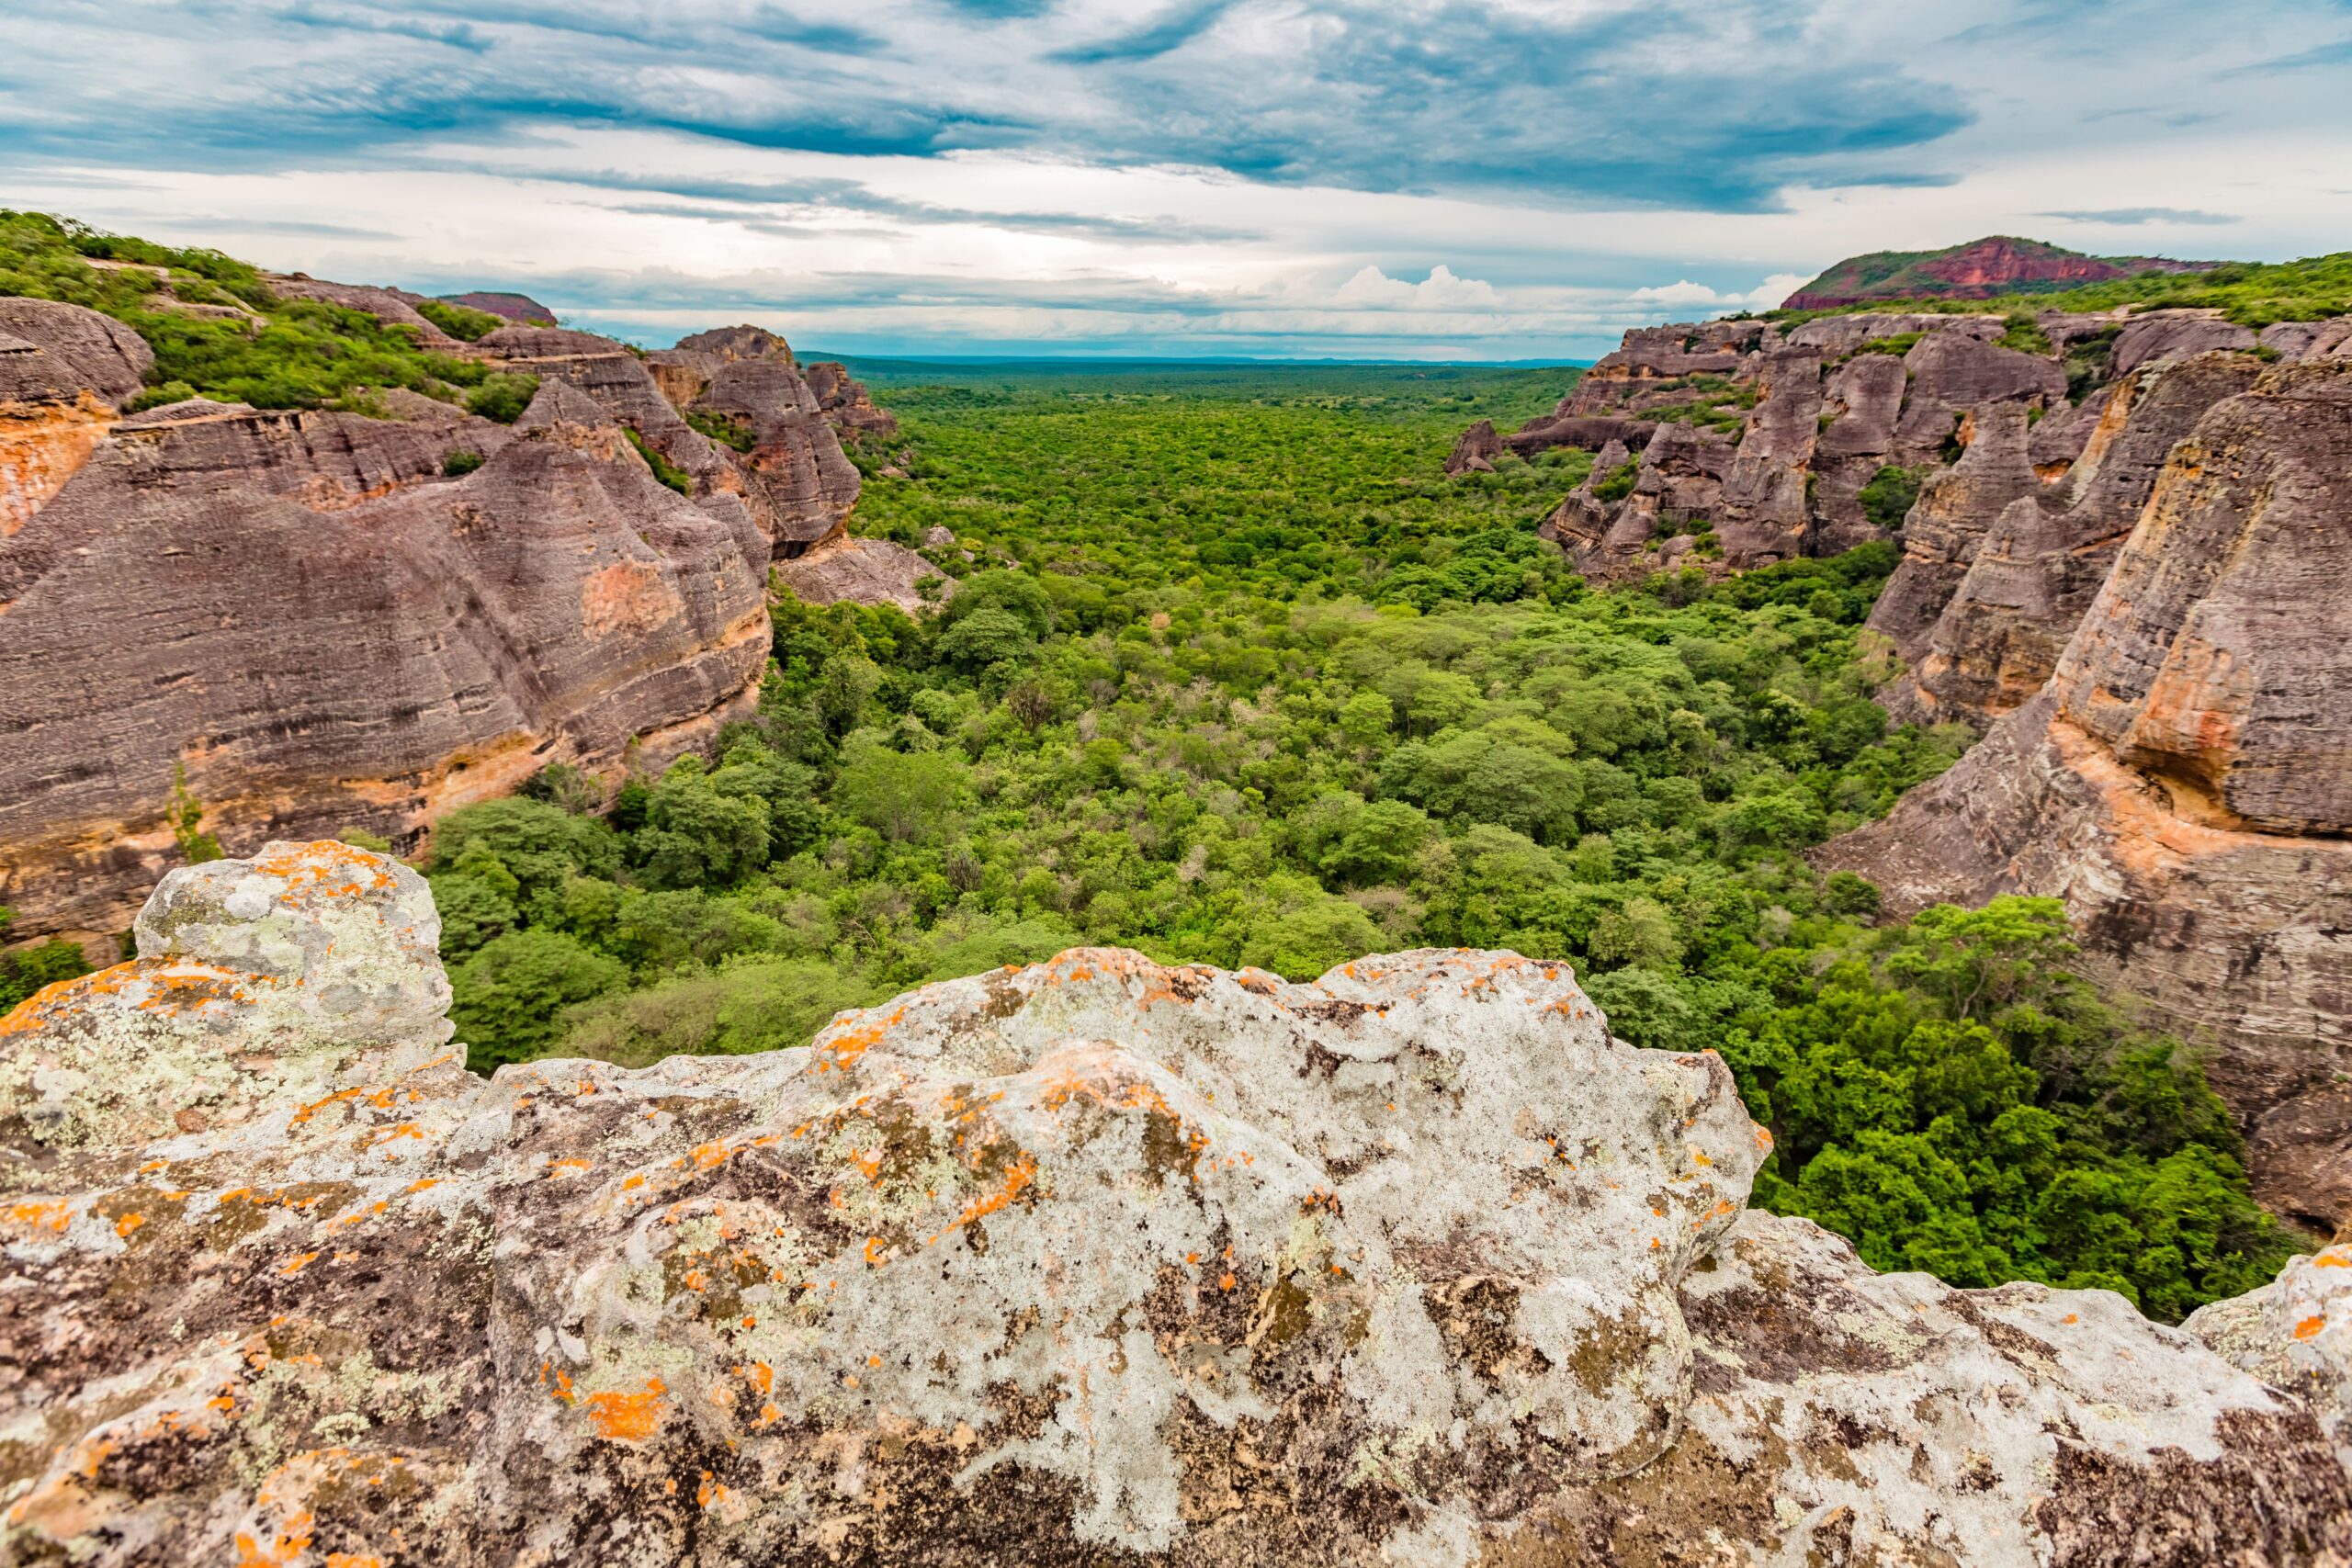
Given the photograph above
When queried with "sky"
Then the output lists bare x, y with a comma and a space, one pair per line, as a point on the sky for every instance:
1379, 179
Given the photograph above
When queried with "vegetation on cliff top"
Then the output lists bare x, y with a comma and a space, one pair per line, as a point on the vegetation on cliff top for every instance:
219, 331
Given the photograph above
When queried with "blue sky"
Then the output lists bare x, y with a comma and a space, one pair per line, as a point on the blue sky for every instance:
1377, 179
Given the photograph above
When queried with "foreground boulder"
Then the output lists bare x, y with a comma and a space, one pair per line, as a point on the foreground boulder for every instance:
2184, 781
308, 622
1097, 1261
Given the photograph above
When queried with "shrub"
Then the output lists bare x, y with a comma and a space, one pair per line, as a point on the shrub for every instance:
1888, 498
459, 322
502, 396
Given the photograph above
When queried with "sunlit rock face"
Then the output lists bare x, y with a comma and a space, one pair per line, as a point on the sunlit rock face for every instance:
312, 622
1096, 1262
2184, 779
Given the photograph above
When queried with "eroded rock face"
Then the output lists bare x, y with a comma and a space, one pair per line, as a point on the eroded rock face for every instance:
1813, 413
1096, 1262
301, 621
747, 377
2185, 780
2049, 551
63, 372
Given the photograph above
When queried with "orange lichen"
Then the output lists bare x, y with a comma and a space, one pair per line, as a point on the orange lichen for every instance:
627, 1417
2309, 1328
299, 1264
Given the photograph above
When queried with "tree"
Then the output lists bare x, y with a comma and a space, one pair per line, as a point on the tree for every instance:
509, 996
909, 797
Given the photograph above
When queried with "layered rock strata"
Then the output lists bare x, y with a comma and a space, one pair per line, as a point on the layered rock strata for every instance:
1096, 1262
2034, 569
2184, 781
300, 622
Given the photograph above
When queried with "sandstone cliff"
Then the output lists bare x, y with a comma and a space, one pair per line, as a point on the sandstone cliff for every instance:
1094, 1262
2184, 781
302, 623
64, 371
1757, 443
747, 377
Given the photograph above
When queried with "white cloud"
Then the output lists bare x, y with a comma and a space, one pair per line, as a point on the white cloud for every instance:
1372, 288
1765, 296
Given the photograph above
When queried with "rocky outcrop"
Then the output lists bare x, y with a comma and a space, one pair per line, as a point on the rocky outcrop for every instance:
846, 405
2296, 1334
1946, 527
1475, 450
393, 307
2048, 551
746, 377
2000, 264
2185, 780
300, 623
865, 571
64, 373
1094, 1261
1828, 418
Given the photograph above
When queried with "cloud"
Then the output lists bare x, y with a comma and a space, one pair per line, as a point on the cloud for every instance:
1440, 291
1721, 104
2130, 216
1765, 296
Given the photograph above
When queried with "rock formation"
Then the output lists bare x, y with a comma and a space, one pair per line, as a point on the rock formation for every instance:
64, 371
2000, 264
1096, 1262
393, 307
747, 379
846, 405
300, 621
520, 308
2184, 781
2033, 572
865, 571
1811, 417
1475, 450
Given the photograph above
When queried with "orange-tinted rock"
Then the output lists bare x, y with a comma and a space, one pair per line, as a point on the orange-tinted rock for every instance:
302, 616
64, 371
2047, 554
1094, 1262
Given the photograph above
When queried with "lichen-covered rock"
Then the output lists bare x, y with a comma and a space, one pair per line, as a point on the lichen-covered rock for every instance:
305, 623
2296, 1334
1098, 1261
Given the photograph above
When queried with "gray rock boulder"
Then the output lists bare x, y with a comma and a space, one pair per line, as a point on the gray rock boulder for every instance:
1094, 1261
